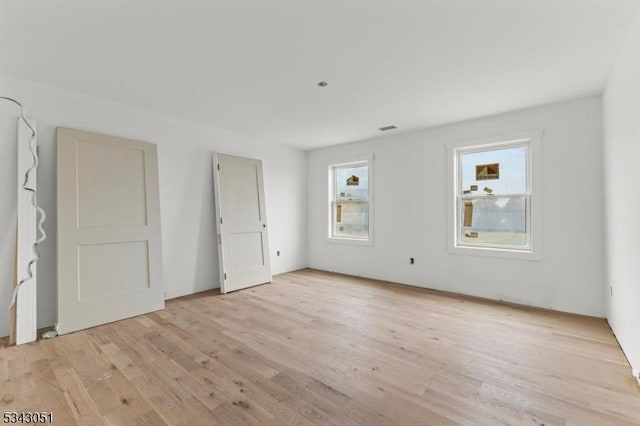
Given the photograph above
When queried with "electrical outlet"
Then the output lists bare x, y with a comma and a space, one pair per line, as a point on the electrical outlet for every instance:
412, 261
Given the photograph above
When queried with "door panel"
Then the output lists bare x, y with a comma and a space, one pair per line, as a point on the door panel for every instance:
112, 191
109, 247
246, 249
241, 183
118, 276
242, 227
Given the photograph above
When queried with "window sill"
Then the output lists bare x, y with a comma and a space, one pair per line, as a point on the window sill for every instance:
350, 241
533, 255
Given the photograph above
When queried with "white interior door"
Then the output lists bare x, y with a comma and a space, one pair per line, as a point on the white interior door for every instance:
109, 248
243, 250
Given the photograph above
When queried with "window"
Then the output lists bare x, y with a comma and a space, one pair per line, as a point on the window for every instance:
350, 201
493, 206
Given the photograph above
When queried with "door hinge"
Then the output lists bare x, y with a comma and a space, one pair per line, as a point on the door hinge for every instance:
220, 221
218, 166
225, 276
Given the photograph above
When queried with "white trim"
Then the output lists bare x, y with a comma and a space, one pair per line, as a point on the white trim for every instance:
26, 302
218, 213
346, 161
533, 139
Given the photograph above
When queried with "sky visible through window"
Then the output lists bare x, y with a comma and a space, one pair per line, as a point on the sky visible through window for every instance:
360, 191
351, 210
497, 216
513, 162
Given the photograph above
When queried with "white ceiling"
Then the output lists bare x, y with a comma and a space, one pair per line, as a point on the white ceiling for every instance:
252, 65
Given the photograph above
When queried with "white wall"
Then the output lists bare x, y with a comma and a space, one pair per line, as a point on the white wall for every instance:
411, 220
622, 177
186, 189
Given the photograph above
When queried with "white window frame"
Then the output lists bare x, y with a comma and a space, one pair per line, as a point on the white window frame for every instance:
532, 139
345, 162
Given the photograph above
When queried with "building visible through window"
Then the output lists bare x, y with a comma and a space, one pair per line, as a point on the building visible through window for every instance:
495, 192
350, 201
493, 197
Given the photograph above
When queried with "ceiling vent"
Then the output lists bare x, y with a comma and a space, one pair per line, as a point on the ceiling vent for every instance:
385, 128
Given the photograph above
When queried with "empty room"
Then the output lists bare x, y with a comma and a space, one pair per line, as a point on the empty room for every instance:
356, 212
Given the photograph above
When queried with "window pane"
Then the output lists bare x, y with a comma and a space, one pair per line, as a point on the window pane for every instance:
493, 220
352, 183
351, 219
503, 171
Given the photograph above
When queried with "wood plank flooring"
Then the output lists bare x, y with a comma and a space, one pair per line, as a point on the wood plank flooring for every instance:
320, 348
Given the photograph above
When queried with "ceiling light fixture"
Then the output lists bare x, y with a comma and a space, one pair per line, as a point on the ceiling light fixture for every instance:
385, 128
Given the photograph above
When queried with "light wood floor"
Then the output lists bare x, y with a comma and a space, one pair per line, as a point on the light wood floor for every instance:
319, 348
